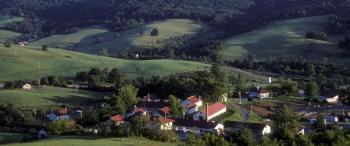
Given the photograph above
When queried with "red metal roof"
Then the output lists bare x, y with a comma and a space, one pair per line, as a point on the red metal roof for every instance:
214, 108
165, 120
193, 99
165, 110
117, 118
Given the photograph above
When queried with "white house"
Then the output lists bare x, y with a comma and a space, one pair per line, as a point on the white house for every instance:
259, 129
192, 104
259, 93
329, 97
27, 87
199, 127
210, 112
166, 124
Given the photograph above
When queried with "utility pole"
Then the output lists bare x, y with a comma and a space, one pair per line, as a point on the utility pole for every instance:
240, 97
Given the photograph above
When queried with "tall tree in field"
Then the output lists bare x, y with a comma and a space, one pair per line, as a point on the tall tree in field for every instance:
312, 90
287, 124
175, 106
154, 32
128, 94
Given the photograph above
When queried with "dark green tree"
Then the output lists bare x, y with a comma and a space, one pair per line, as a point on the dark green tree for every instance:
312, 90
44, 47
154, 32
175, 105
287, 124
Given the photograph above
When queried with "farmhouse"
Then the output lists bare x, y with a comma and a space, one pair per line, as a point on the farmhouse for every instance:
257, 128
191, 104
210, 112
198, 127
329, 97
117, 119
166, 124
23, 43
259, 93
27, 87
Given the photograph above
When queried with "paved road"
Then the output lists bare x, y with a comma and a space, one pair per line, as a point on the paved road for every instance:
245, 112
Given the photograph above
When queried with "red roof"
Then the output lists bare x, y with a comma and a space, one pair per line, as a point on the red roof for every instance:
193, 100
214, 108
263, 91
117, 118
165, 110
165, 120
139, 110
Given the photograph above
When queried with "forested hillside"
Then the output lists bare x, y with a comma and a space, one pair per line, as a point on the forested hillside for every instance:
62, 16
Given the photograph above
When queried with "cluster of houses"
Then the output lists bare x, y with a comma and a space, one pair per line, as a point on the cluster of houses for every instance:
197, 117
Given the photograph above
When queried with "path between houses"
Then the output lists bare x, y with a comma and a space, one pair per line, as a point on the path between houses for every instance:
245, 112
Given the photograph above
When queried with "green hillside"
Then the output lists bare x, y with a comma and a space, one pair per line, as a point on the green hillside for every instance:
47, 96
18, 63
285, 38
5, 34
92, 39
71, 141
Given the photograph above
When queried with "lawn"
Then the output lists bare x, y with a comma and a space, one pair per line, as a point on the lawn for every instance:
92, 39
284, 38
233, 115
18, 63
44, 96
254, 118
81, 141
11, 137
5, 34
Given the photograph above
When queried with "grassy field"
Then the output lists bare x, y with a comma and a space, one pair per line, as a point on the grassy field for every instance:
71, 141
47, 96
92, 39
5, 34
17, 63
11, 137
285, 38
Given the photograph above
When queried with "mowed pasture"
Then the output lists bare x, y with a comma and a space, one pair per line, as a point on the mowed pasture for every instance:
46, 96
93, 39
6, 34
284, 38
81, 141
19, 63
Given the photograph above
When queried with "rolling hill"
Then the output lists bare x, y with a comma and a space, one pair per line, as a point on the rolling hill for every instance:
5, 34
284, 38
92, 39
17, 63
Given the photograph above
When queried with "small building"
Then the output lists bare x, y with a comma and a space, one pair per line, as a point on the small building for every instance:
258, 129
329, 97
22, 43
331, 119
198, 127
165, 111
27, 87
192, 104
139, 111
259, 93
117, 119
166, 123
210, 112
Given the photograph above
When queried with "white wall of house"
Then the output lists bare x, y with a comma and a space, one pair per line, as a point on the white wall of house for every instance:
333, 99
264, 95
166, 126
194, 109
201, 115
266, 130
